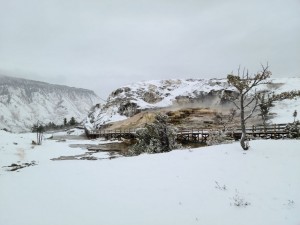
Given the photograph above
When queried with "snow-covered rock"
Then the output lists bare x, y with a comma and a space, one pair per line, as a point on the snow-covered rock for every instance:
24, 102
134, 98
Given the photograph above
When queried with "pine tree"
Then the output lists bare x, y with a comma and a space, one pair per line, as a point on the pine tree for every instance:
39, 129
265, 104
72, 121
295, 115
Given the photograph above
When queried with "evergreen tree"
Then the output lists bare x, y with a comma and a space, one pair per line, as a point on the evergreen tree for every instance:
295, 115
265, 104
65, 122
39, 129
72, 121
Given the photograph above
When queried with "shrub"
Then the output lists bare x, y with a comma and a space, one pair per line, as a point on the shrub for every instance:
156, 137
293, 130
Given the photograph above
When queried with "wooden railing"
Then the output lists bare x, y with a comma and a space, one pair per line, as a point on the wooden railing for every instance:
194, 134
199, 134
269, 131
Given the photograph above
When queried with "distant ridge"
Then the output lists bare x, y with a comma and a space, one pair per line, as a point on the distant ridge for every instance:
23, 102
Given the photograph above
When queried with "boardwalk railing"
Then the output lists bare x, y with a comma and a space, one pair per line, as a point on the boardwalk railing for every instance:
198, 134
270, 131
191, 135
108, 134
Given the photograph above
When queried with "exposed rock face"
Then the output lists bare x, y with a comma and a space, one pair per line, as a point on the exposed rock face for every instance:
24, 102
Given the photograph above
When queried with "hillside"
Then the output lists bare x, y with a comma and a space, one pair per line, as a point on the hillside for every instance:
24, 102
201, 97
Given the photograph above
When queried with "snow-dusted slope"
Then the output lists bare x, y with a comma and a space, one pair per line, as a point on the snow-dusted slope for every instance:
24, 102
207, 186
131, 99
283, 110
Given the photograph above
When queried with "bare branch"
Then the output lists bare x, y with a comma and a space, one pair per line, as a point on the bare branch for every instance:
249, 103
233, 101
244, 83
236, 105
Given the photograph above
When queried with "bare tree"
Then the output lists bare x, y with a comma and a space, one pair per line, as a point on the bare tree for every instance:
245, 100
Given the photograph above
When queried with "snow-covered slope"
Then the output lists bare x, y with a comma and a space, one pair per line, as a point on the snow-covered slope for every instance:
213, 185
283, 110
131, 99
24, 102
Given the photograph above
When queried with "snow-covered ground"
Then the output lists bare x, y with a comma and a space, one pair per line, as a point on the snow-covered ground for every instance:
198, 186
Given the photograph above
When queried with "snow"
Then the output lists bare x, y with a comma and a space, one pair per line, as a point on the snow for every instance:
174, 88
190, 186
284, 109
178, 187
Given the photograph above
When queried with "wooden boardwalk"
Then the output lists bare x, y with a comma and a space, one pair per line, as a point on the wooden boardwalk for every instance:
191, 135
109, 134
275, 131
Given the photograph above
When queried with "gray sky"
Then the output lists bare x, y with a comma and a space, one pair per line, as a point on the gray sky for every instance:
103, 44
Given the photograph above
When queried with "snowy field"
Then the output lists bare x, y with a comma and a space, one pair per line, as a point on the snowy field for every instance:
212, 185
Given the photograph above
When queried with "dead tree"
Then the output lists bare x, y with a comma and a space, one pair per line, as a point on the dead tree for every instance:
244, 84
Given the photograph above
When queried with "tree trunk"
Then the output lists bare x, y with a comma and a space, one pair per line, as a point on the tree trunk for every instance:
264, 123
244, 145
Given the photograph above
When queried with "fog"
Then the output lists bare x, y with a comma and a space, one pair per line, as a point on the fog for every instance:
101, 45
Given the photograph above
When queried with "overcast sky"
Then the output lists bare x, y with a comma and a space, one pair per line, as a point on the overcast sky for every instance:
104, 44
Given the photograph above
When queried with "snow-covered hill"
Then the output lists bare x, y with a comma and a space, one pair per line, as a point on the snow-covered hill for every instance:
24, 102
131, 99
